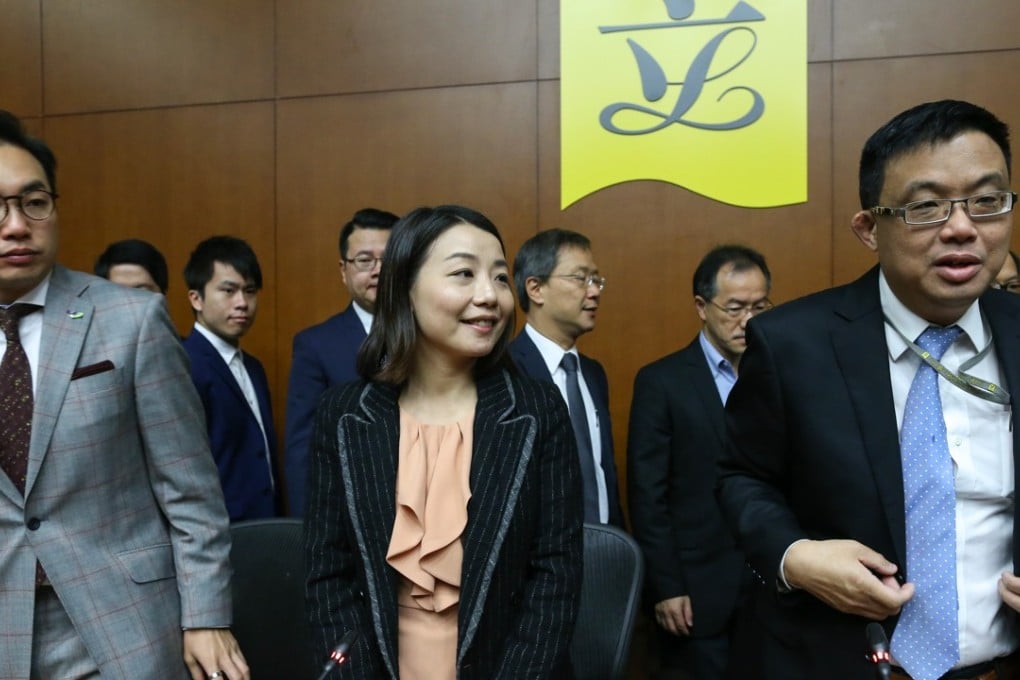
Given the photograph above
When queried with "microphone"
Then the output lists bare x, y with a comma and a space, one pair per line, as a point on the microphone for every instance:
878, 650
340, 653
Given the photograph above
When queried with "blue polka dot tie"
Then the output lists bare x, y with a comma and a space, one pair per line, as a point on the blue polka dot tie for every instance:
927, 637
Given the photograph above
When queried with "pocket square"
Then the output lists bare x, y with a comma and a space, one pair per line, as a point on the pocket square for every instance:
85, 371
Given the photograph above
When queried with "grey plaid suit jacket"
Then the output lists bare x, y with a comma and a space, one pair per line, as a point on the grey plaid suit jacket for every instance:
122, 503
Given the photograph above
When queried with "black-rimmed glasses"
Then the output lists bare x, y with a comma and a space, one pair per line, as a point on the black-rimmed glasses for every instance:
364, 263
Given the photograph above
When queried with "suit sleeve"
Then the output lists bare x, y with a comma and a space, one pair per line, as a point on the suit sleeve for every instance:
649, 450
182, 475
551, 595
335, 603
305, 387
754, 481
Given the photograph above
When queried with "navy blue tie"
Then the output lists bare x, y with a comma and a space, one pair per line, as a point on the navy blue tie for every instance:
578, 418
927, 637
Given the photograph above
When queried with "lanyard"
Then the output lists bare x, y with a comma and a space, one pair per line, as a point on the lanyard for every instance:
988, 391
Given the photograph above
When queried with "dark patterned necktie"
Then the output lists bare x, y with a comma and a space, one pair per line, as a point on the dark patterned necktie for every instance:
16, 398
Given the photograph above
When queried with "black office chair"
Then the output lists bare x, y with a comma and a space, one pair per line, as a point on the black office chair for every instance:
610, 595
269, 598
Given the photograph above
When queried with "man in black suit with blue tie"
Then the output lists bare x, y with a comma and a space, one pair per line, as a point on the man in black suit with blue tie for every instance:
694, 573
871, 468
325, 354
559, 288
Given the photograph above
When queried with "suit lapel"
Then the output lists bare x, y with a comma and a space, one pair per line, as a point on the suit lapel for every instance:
67, 316
368, 442
503, 443
705, 390
863, 358
1004, 318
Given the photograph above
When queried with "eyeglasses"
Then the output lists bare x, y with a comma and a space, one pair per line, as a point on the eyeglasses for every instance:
934, 211
1011, 285
588, 280
364, 263
736, 311
37, 204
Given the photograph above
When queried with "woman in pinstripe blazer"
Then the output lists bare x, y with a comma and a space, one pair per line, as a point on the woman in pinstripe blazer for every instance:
437, 352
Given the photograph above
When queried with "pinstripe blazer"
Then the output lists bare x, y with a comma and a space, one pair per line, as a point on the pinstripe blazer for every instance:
122, 503
521, 574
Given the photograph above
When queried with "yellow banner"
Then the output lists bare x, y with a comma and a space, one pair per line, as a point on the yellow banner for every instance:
708, 95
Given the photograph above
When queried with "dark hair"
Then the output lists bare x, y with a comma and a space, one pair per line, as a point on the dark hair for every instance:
366, 218
538, 256
12, 132
387, 355
706, 276
138, 252
225, 250
930, 124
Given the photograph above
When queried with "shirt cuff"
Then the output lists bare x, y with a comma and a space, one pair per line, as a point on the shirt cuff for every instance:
781, 583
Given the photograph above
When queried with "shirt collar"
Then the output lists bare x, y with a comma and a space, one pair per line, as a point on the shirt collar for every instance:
552, 354
911, 325
36, 296
364, 316
715, 358
224, 348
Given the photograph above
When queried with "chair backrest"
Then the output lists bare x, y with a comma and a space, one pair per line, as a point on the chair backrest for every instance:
610, 596
269, 598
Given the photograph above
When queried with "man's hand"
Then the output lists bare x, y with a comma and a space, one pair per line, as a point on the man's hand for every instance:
675, 615
207, 650
847, 576
1009, 590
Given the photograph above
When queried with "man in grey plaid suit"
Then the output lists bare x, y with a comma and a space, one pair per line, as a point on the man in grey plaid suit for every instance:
113, 532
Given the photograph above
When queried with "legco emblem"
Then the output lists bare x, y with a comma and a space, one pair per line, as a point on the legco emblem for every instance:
711, 97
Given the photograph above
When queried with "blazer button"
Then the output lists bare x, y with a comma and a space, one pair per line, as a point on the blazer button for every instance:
33, 523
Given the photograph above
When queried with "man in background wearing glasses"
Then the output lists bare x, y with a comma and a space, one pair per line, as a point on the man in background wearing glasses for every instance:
694, 574
559, 288
870, 473
325, 354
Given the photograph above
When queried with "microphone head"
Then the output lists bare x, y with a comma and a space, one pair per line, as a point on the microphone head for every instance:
877, 640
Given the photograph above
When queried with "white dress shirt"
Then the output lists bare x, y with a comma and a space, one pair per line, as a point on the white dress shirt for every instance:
981, 446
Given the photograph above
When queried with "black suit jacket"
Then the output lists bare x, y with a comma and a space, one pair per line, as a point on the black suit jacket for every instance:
521, 573
675, 439
815, 454
529, 360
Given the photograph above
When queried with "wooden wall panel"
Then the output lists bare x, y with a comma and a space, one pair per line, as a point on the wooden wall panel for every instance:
869, 29
122, 54
172, 177
396, 151
868, 93
21, 57
328, 47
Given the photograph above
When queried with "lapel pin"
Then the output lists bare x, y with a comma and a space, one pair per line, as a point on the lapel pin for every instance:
74, 315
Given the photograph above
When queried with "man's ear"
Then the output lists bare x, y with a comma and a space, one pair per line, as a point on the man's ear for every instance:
865, 228
196, 300
533, 287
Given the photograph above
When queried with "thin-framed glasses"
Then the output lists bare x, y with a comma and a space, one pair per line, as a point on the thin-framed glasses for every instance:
1011, 285
37, 204
363, 263
588, 280
935, 211
736, 311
